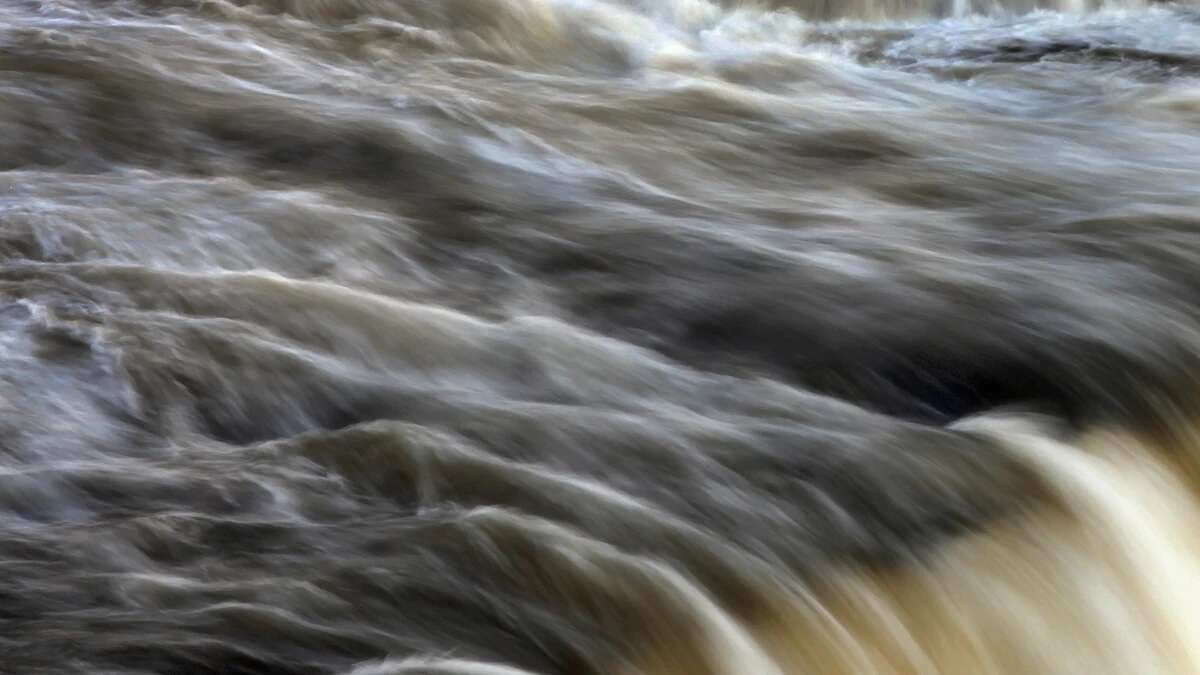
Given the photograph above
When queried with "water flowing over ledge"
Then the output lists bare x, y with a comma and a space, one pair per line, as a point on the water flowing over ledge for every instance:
501, 337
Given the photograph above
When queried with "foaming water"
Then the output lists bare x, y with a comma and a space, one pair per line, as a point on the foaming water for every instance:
503, 337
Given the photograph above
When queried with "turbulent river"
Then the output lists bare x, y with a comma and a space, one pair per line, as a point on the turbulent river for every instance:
613, 337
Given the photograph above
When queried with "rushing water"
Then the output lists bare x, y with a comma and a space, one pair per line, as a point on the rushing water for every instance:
502, 337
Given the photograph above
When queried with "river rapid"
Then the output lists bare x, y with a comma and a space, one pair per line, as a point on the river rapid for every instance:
613, 337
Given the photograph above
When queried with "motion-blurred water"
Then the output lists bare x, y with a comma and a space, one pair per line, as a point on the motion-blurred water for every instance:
499, 337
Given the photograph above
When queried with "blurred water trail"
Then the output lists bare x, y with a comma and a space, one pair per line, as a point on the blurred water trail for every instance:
502, 337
